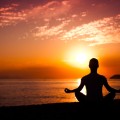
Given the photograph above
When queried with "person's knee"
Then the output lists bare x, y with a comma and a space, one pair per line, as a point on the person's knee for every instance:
112, 94
110, 97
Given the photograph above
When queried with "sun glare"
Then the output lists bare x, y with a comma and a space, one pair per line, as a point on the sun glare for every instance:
78, 58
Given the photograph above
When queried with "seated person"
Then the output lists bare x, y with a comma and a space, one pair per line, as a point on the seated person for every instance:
94, 83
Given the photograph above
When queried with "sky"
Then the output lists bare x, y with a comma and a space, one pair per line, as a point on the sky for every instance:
59, 33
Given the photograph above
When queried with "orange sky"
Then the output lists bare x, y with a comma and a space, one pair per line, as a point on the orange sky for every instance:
50, 33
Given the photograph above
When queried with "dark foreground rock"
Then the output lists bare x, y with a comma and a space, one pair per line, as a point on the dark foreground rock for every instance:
61, 111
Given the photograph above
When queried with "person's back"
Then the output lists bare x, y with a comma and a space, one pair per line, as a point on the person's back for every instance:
94, 84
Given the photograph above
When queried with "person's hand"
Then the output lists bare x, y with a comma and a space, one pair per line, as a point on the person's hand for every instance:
67, 90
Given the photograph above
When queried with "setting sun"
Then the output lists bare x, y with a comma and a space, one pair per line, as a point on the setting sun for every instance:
78, 58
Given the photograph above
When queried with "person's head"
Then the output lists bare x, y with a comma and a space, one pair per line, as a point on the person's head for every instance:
93, 63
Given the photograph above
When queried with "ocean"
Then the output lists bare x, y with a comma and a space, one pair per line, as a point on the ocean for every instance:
15, 92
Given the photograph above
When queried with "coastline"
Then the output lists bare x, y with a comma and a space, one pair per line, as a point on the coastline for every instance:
60, 111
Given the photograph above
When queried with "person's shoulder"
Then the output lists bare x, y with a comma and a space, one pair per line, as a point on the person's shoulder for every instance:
85, 77
102, 76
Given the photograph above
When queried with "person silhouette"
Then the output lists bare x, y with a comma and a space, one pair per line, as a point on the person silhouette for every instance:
94, 83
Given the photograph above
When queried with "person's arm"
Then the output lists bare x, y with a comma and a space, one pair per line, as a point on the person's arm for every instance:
109, 88
79, 88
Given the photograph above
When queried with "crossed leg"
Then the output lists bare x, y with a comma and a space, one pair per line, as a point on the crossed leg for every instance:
83, 98
109, 97
80, 96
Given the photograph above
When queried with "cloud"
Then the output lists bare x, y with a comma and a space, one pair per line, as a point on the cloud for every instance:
47, 32
102, 31
12, 14
9, 16
66, 20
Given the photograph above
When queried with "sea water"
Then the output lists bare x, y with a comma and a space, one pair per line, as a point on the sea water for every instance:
15, 92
